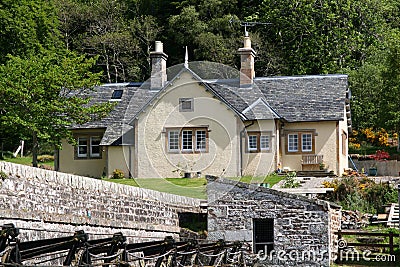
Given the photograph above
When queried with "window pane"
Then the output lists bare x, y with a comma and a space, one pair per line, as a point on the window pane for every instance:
186, 104
82, 147
306, 142
264, 142
187, 140
293, 142
201, 140
252, 142
117, 94
173, 140
95, 146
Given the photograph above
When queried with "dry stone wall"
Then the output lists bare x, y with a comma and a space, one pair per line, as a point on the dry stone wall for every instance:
303, 235
49, 204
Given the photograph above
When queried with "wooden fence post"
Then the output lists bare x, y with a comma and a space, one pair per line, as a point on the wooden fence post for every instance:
391, 243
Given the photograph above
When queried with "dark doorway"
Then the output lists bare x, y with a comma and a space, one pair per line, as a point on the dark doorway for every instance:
263, 235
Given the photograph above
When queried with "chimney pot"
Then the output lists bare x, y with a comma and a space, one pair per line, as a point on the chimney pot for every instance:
247, 72
159, 46
158, 67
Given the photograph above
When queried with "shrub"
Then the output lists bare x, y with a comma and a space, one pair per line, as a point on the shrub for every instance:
118, 174
45, 158
3, 175
361, 194
290, 180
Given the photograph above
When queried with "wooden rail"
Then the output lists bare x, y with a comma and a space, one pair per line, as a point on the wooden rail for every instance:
312, 159
389, 245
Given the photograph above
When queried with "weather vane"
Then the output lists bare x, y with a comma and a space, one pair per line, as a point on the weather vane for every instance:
246, 24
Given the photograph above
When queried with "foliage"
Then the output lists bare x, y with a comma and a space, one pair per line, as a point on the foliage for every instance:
39, 96
290, 180
360, 193
380, 155
3, 175
45, 158
118, 174
27, 27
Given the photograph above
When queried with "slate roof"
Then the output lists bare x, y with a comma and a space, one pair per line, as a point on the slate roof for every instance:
293, 99
306, 98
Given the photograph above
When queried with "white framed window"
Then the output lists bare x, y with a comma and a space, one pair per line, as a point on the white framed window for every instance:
187, 140
253, 142
173, 140
186, 104
264, 142
258, 142
293, 142
302, 141
88, 146
95, 146
201, 140
306, 142
82, 150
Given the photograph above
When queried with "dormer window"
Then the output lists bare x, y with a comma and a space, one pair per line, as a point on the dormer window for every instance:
186, 104
117, 95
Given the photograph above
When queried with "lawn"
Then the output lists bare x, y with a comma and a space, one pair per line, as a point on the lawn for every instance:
189, 187
28, 161
270, 179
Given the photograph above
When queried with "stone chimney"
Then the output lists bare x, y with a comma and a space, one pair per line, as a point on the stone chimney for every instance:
247, 55
158, 67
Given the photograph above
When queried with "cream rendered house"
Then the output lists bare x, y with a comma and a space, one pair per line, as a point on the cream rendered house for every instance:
189, 125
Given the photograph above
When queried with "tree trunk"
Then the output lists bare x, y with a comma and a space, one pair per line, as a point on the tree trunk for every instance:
35, 146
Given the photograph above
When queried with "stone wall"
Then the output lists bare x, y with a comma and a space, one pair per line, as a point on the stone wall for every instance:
302, 231
384, 168
335, 218
48, 204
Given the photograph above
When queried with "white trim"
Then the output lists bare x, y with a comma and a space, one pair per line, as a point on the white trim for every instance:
94, 155
258, 101
169, 138
288, 142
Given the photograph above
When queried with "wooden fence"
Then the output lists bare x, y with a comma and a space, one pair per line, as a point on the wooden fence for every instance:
378, 244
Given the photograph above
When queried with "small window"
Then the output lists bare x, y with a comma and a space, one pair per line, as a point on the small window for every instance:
293, 143
264, 142
95, 146
117, 94
173, 140
82, 147
344, 144
301, 142
306, 142
201, 140
187, 141
185, 104
88, 147
259, 142
263, 235
252, 142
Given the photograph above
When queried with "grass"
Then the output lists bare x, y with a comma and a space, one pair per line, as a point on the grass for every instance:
130, 182
189, 187
28, 161
270, 179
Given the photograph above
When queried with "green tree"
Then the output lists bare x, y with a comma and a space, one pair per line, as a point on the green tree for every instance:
27, 26
39, 96
314, 37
